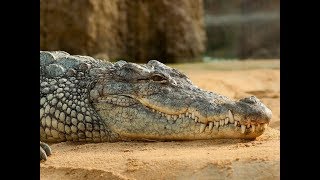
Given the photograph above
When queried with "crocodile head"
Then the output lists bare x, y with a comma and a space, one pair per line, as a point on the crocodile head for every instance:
154, 101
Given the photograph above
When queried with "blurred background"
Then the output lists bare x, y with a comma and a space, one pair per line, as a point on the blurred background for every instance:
171, 31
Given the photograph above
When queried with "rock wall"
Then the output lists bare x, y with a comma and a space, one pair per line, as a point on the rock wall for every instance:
135, 30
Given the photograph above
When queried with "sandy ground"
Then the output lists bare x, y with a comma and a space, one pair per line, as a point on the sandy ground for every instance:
205, 159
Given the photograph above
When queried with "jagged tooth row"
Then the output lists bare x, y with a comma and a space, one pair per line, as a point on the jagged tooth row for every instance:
230, 120
217, 124
226, 122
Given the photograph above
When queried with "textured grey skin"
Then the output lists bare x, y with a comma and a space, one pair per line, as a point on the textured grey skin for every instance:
89, 100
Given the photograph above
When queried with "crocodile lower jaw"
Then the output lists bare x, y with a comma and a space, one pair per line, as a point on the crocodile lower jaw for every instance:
218, 124
241, 126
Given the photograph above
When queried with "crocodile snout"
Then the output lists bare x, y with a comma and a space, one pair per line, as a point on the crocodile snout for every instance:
252, 109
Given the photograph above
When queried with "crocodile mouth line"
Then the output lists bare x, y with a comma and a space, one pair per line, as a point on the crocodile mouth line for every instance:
219, 124
243, 126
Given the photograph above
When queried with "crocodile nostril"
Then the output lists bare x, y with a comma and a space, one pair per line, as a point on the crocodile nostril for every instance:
250, 100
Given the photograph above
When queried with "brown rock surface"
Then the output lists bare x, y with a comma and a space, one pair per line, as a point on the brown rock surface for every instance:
139, 30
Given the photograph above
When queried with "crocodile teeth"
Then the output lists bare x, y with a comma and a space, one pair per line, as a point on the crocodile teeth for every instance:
248, 125
226, 121
210, 126
192, 115
175, 117
235, 123
153, 110
243, 129
168, 117
264, 125
196, 119
230, 115
202, 127
180, 116
216, 124
221, 122
253, 127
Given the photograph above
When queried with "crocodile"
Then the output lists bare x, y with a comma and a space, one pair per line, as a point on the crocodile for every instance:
83, 99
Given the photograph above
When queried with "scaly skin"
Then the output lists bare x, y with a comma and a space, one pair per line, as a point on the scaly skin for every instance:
83, 99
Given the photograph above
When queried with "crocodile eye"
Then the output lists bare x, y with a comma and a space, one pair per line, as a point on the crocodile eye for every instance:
157, 77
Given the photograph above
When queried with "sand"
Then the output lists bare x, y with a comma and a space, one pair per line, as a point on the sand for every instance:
202, 159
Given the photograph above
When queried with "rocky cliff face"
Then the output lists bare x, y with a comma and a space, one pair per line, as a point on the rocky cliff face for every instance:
135, 30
